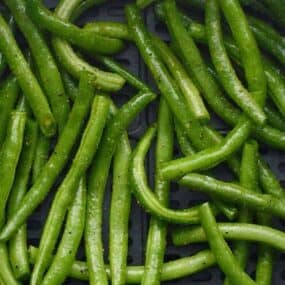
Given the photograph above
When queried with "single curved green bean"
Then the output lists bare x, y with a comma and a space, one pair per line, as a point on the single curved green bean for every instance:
26, 79
55, 164
209, 157
232, 231
68, 246
98, 178
274, 118
248, 179
187, 87
50, 76
234, 193
119, 212
222, 252
224, 68
145, 196
83, 38
18, 251
75, 64
67, 189
9, 91
171, 270
113, 66
249, 52
156, 240
9, 156
110, 29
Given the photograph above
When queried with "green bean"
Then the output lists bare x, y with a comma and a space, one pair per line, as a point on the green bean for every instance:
70, 240
113, 66
156, 241
98, 179
249, 179
73, 63
170, 271
55, 164
9, 91
145, 196
9, 156
226, 72
232, 231
234, 193
18, 251
209, 157
67, 189
249, 52
221, 250
26, 79
83, 38
110, 29
119, 212
187, 87
46, 65
69, 85
277, 8
274, 118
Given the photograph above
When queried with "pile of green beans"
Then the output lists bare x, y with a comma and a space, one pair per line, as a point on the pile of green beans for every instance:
62, 131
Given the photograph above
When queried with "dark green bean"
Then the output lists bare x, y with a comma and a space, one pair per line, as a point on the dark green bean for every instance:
274, 118
9, 156
84, 38
233, 231
224, 68
68, 246
55, 164
18, 251
26, 79
73, 63
234, 193
277, 8
119, 212
143, 3
9, 91
50, 76
98, 179
170, 271
209, 157
67, 189
221, 250
156, 241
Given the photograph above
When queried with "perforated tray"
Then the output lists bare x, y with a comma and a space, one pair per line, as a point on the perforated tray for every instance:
180, 198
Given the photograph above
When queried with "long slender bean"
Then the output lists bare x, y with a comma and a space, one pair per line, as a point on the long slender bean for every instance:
98, 179
119, 212
18, 251
209, 157
66, 191
170, 270
70, 240
156, 241
50, 76
234, 194
73, 63
221, 250
55, 163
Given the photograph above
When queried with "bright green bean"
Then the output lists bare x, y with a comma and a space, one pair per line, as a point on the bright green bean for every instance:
234, 193
84, 38
97, 181
156, 241
119, 212
18, 251
221, 250
67, 189
209, 157
50, 76
73, 63
68, 246
171, 270
56, 162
